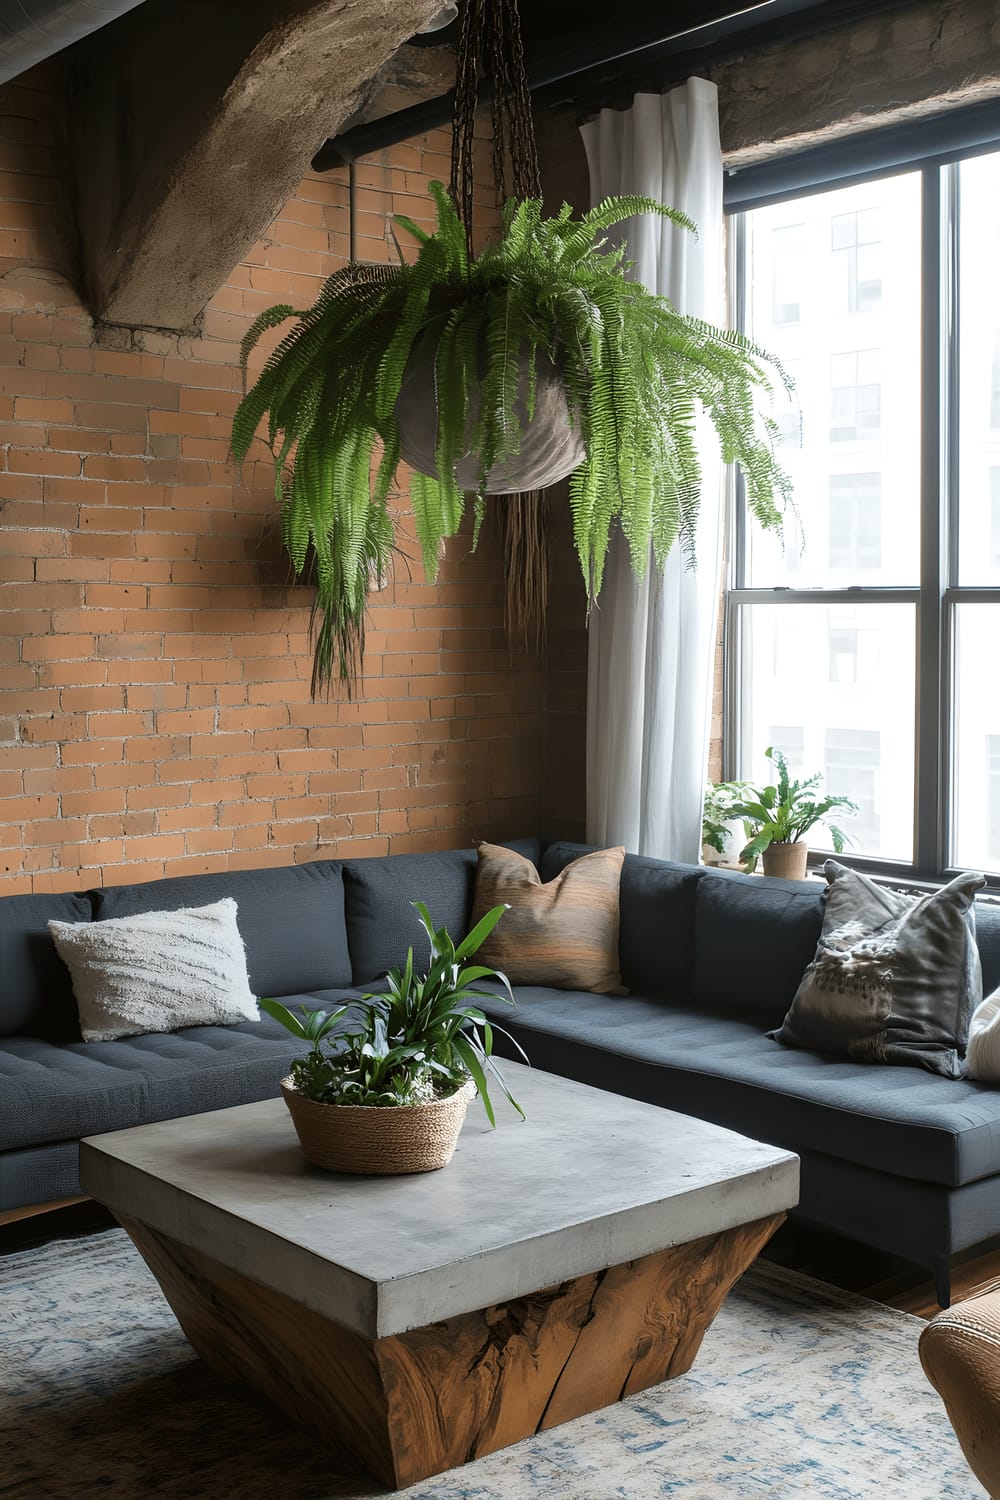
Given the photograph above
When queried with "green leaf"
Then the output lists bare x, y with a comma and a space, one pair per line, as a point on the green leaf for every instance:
284, 1016
474, 940
470, 1057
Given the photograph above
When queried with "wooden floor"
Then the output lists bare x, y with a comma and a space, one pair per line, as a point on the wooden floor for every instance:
884, 1278
828, 1257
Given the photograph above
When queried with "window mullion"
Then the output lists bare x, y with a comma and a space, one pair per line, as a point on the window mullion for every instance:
732, 654
930, 812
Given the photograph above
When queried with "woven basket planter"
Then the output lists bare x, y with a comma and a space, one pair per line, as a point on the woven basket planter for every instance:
378, 1140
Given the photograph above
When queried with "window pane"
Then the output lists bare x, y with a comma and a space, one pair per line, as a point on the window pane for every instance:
790, 740
855, 520
833, 687
833, 289
852, 765
786, 273
979, 369
976, 779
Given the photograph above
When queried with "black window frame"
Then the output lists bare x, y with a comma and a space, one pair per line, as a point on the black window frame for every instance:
934, 150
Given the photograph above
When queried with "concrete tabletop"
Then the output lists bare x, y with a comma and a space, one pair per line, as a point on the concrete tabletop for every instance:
588, 1180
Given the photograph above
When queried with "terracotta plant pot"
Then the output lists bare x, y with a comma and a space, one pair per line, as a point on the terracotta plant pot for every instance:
550, 447
378, 1140
786, 860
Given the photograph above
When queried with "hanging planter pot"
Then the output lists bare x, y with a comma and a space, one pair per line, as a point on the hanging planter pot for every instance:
547, 358
549, 445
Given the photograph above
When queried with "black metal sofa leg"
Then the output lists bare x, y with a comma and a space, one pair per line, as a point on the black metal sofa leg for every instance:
942, 1281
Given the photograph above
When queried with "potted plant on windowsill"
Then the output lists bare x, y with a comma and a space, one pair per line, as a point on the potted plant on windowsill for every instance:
455, 361
776, 818
721, 828
390, 1091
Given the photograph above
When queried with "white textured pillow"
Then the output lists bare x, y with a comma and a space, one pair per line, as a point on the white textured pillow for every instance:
157, 971
983, 1055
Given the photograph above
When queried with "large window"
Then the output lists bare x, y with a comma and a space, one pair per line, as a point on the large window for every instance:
874, 619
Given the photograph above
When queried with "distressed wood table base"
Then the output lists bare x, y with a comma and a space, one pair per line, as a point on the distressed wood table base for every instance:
417, 1403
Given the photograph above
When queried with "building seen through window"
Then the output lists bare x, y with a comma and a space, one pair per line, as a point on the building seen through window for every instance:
790, 740
856, 396
855, 522
856, 237
787, 273
852, 766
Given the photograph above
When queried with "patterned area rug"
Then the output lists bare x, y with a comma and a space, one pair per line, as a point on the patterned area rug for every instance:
799, 1390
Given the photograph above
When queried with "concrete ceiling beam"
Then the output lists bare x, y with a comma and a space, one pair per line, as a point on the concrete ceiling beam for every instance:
192, 122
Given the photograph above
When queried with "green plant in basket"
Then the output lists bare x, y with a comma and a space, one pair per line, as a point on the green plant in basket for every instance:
421, 1040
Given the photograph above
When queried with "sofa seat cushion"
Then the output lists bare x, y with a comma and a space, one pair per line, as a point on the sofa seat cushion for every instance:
721, 1067
54, 1093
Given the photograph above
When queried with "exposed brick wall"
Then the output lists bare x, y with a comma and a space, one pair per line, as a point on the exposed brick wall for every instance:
154, 664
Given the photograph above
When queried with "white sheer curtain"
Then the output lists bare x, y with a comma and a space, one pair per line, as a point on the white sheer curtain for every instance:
652, 643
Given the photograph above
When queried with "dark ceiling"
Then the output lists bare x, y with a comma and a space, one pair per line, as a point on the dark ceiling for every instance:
586, 55
602, 51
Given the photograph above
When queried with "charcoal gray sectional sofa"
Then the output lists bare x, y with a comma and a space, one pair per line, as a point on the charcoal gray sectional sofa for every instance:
897, 1157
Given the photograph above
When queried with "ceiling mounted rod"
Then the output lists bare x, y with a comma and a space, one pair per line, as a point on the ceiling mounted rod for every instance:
550, 63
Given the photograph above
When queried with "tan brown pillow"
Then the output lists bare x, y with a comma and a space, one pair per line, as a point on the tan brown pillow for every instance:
563, 933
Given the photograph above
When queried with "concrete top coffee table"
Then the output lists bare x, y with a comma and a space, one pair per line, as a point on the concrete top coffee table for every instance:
554, 1266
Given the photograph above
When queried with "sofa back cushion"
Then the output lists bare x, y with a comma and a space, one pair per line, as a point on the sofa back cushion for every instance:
36, 995
381, 922
988, 940
291, 919
754, 938
656, 928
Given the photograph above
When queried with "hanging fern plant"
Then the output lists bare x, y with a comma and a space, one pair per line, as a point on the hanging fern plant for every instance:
637, 374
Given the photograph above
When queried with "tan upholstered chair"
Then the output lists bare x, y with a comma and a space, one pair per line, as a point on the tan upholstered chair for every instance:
960, 1353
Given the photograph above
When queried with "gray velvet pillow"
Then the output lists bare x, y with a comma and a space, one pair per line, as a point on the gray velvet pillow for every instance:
895, 978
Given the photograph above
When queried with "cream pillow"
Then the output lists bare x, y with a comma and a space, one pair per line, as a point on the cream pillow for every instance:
983, 1056
157, 971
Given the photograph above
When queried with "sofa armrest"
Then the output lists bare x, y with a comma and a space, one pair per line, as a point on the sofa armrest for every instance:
960, 1353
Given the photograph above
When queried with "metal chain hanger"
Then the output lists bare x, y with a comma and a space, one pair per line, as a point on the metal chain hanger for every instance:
490, 47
